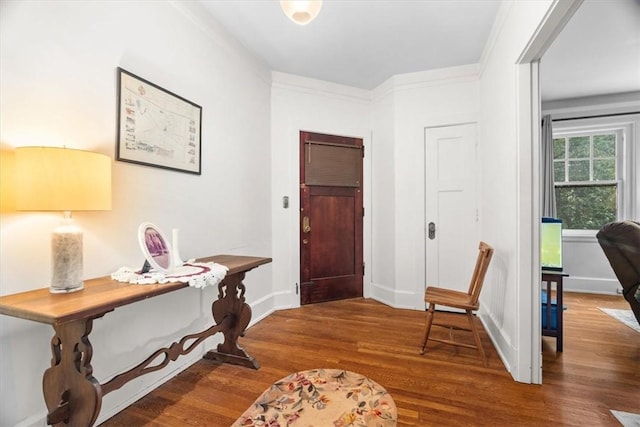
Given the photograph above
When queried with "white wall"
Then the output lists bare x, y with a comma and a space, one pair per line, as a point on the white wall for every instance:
417, 100
505, 164
596, 275
297, 104
58, 86
392, 125
250, 150
382, 267
487, 94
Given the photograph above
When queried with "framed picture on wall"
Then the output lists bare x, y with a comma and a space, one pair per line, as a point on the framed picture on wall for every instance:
157, 127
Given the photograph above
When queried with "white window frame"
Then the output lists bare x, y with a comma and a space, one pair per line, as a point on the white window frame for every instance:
625, 128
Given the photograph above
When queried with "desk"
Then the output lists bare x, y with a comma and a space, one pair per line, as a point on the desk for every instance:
550, 276
73, 396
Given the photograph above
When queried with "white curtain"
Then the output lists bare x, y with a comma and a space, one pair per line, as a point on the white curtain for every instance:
548, 189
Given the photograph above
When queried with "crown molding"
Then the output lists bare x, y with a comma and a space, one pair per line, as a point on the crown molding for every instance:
319, 87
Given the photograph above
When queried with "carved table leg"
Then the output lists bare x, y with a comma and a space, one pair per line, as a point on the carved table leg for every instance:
231, 303
73, 396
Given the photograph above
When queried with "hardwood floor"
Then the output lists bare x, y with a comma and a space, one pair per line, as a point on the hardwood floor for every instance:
599, 370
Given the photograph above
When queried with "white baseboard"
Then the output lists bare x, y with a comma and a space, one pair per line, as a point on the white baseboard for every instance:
591, 285
260, 309
35, 420
395, 298
505, 350
107, 411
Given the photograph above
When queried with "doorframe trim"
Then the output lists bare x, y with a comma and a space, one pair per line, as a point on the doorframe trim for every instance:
528, 328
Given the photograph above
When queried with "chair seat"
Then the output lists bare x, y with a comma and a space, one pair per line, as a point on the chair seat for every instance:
450, 298
467, 301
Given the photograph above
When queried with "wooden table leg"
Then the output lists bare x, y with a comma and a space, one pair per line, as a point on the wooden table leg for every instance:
560, 312
73, 396
231, 303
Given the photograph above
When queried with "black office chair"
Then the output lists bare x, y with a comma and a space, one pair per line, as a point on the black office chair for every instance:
620, 242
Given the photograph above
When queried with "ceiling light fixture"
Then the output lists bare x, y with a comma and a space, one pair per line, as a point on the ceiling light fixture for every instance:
301, 11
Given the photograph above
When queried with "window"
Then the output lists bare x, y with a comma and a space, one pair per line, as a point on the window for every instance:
586, 174
596, 172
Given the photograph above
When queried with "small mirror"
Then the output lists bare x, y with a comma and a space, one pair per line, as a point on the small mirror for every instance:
155, 247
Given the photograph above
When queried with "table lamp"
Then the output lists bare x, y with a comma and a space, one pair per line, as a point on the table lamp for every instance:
63, 179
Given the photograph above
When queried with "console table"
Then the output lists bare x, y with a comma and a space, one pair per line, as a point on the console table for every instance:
73, 396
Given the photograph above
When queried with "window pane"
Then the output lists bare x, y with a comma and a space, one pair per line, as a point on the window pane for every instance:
579, 147
604, 145
586, 208
578, 170
604, 169
558, 148
558, 171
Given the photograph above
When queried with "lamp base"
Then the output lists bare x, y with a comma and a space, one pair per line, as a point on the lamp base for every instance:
66, 251
66, 290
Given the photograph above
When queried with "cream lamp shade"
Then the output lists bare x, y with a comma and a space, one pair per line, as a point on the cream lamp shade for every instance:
62, 179
301, 11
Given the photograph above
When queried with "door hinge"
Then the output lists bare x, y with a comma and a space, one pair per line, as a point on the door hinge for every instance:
363, 211
363, 268
363, 151
296, 289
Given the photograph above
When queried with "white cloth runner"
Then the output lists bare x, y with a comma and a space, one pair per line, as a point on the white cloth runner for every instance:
197, 274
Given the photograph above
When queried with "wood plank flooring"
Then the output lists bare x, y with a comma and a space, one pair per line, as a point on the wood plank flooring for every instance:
599, 370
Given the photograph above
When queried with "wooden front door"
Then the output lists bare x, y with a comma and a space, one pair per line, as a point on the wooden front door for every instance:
331, 211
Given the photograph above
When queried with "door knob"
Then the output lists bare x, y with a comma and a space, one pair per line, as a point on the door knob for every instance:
306, 228
432, 230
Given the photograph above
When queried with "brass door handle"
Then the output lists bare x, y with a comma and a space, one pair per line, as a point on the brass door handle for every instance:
306, 228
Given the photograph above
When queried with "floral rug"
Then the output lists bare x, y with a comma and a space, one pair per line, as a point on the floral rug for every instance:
321, 398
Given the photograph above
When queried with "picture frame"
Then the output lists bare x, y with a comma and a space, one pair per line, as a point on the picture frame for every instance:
157, 127
155, 247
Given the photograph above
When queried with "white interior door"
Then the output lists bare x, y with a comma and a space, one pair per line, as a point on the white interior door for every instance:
451, 205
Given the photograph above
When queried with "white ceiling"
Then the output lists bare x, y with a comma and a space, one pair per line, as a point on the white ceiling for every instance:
597, 53
362, 43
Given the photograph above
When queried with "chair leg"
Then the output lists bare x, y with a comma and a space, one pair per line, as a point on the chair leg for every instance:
476, 337
427, 330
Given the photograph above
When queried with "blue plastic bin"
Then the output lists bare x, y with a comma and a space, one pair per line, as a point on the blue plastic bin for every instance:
554, 311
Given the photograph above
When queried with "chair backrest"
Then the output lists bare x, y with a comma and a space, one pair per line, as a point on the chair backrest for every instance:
620, 242
482, 263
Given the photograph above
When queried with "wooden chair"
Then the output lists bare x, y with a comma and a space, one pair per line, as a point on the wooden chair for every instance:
467, 301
